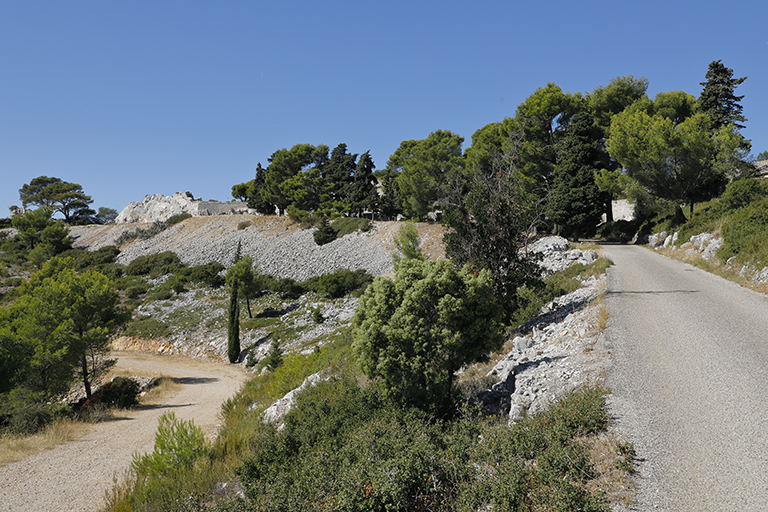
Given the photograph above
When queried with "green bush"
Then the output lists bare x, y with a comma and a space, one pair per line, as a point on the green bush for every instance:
147, 327
347, 225
167, 262
325, 234
339, 283
741, 193
122, 392
346, 448
208, 274
175, 219
135, 291
745, 233
24, 412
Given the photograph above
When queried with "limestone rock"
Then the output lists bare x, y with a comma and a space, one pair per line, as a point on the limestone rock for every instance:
158, 207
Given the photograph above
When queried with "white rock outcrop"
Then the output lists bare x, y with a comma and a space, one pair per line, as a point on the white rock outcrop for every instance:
158, 207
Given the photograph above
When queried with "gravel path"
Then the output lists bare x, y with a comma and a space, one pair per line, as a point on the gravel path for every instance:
75, 476
689, 382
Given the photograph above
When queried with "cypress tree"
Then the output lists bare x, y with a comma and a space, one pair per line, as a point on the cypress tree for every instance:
233, 327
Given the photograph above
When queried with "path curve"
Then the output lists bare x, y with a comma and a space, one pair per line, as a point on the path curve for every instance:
689, 381
75, 476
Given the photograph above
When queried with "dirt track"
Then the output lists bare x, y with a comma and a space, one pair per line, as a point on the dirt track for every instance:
74, 476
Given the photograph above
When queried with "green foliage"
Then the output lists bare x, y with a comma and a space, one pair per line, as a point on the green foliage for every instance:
575, 202
325, 233
274, 357
718, 100
58, 329
745, 233
178, 443
424, 167
208, 274
122, 392
178, 469
147, 327
175, 219
339, 283
317, 315
489, 220
141, 234
347, 225
416, 332
166, 262
61, 196
25, 412
106, 215
347, 448
741, 193
407, 244
233, 325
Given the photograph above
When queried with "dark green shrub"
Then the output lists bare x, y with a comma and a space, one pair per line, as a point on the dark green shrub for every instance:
177, 284
175, 219
288, 288
325, 233
122, 392
207, 274
24, 412
135, 291
339, 283
275, 356
155, 264
317, 315
741, 193
141, 234
745, 234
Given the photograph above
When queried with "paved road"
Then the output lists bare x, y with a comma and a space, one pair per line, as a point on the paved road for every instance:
75, 476
689, 382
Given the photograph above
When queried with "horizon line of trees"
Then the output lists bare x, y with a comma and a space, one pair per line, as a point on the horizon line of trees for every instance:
575, 152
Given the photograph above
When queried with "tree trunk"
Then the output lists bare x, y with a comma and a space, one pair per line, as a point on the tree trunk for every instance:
679, 216
86, 382
609, 210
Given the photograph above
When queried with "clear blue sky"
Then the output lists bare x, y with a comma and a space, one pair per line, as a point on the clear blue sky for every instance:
137, 97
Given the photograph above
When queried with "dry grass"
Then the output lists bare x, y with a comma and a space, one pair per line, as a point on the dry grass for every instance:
13, 448
610, 467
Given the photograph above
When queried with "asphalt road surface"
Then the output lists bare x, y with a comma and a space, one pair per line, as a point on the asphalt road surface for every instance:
689, 383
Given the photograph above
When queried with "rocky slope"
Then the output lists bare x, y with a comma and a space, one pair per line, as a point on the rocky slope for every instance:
278, 246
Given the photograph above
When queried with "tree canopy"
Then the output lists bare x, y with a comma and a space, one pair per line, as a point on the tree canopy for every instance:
60, 196
417, 331
718, 99
682, 163
575, 202
424, 166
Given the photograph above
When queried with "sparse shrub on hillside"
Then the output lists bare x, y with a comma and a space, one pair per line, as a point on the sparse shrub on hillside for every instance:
339, 283
325, 233
142, 234
244, 224
175, 219
208, 274
154, 264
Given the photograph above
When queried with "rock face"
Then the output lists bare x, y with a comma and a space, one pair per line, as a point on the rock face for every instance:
706, 245
556, 256
158, 207
561, 352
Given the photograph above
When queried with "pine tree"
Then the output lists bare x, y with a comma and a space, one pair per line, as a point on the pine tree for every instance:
576, 203
717, 100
